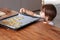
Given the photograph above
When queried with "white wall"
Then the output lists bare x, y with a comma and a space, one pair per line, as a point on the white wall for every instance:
52, 1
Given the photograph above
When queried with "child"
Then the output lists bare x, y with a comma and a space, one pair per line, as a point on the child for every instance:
48, 12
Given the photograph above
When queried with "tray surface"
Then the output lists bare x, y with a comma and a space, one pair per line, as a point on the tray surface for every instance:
18, 21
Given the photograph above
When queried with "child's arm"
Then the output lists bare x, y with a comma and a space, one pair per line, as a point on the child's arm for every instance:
23, 10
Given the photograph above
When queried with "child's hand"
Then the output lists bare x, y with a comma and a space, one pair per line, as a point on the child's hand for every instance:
22, 10
2, 13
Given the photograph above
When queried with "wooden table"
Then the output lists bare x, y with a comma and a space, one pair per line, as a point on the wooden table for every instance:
35, 31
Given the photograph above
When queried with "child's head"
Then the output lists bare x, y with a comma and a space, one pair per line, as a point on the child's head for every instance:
48, 11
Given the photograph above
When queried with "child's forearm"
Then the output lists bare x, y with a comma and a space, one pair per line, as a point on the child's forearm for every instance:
30, 12
23, 10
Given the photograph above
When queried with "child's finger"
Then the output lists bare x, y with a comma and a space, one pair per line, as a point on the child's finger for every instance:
21, 10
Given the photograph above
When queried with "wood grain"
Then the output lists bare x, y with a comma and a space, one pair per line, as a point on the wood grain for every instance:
8, 12
35, 31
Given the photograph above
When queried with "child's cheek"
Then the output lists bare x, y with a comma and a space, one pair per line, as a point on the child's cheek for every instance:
42, 15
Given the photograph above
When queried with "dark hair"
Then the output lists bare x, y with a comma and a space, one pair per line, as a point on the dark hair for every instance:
50, 11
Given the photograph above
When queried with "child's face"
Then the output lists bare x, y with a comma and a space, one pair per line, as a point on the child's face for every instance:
42, 14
